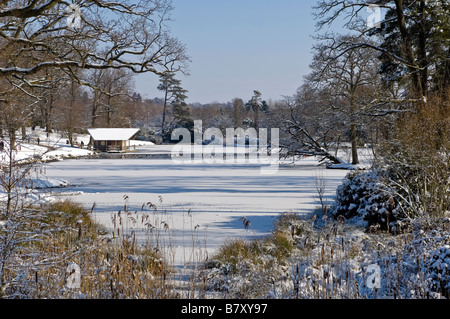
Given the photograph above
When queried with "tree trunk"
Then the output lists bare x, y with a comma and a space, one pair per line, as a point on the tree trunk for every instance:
164, 115
70, 137
12, 138
108, 112
256, 118
423, 61
48, 115
94, 109
408, 49
354, 145
353, 116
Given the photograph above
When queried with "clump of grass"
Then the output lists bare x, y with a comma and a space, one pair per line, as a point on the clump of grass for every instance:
73, 215
233, 252
69, 210
251, 268
278, 246
283, 245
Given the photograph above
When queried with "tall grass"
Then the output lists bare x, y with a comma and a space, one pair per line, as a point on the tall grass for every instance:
333, 259
133, 259
304, 257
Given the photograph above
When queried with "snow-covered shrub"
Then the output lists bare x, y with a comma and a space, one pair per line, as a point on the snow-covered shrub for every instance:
369, 196
439, 267
146, 134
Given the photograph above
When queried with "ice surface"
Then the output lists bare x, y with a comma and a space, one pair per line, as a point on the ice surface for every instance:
203, 203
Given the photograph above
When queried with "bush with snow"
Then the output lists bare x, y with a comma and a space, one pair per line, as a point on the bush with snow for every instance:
439, 267
371, 197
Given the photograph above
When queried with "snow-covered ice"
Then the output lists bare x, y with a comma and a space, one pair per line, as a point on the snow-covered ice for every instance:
203, 203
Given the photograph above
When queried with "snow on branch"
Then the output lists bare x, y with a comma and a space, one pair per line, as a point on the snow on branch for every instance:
112, 35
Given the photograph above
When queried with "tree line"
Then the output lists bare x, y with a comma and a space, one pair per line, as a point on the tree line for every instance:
56, 58
362, 87
67, 76
384, 82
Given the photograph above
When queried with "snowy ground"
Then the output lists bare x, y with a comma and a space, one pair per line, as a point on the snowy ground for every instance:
49, 147
53, 146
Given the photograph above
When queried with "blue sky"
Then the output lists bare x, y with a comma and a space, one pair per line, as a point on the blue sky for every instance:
238, 46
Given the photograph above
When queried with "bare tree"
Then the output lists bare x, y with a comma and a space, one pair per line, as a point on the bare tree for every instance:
39, 36
16, 108
349, 82
113, 91
307, 124
113, 34
69, 110
50, 96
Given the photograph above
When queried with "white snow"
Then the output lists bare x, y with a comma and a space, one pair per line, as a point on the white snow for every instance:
43, 183
112, 134
45, 147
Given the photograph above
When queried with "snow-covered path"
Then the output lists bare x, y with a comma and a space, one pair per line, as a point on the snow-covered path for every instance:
202, 204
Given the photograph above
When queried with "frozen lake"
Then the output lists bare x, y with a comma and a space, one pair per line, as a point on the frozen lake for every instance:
202, 204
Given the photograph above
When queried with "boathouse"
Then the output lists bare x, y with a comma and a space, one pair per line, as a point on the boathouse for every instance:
112, 139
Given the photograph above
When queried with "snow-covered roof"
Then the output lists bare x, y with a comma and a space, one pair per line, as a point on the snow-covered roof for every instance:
112, 134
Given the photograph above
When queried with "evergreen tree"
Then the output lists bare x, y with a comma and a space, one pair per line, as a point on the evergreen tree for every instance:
173, 94
422, 41
256, 105
412, 40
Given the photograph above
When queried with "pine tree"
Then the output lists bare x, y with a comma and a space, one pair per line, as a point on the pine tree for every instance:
417, 32
173, 94
256, 105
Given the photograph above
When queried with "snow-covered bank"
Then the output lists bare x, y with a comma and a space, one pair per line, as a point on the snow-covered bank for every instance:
37, 190
44, 183
52, 146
